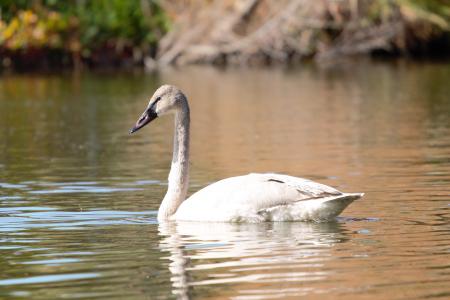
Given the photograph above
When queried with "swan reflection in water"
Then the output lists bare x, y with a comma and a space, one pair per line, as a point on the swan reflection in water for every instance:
255, 258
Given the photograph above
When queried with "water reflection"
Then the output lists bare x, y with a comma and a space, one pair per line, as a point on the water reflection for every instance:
256, 258
78, 196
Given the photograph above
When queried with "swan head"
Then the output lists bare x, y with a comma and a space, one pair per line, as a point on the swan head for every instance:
166, 99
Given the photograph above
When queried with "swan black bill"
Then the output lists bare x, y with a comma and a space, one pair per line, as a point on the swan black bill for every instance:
147, 117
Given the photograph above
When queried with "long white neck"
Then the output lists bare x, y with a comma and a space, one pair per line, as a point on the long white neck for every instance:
179, 171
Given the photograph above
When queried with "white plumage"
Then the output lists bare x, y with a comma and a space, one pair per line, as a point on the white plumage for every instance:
264, 197
249, 198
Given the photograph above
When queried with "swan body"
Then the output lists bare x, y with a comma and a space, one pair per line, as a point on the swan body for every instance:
249, 198
264, 197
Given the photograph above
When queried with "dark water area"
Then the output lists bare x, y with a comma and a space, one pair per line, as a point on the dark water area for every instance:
79, 195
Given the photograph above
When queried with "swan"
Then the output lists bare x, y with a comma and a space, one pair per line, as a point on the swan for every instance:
250, 198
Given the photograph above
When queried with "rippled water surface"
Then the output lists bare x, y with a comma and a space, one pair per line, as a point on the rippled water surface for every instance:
79, 196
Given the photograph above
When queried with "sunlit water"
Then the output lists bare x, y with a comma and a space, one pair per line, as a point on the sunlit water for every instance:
79, 196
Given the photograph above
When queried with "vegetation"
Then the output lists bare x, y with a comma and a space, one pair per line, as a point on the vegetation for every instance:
90, 32
286, 31
75, 33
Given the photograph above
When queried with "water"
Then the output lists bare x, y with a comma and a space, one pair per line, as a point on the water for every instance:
79, 196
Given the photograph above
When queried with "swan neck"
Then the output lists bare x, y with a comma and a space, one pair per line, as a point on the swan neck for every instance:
179, 171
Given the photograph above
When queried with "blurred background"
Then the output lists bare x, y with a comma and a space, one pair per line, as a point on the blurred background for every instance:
48, 34
352, 93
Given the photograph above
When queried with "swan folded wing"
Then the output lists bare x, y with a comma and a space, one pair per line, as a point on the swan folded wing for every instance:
250, 194
304, 199
284, 190
307, 189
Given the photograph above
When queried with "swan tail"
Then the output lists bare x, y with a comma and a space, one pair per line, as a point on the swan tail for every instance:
348, 197
323, 210
331, 208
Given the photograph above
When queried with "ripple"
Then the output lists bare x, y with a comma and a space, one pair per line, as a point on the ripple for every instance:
48, 278
35, 187
84, 189
6, 185
8, 198
51, 262
19, 219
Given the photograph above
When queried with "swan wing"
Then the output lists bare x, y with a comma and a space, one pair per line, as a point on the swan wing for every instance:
251, 196
306, 189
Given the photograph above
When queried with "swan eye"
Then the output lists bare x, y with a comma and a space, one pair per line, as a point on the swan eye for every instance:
153, 105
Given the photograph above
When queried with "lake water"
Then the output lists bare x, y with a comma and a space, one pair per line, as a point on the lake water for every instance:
79, 196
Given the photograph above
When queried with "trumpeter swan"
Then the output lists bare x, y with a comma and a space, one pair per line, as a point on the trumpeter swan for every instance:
248, 198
